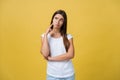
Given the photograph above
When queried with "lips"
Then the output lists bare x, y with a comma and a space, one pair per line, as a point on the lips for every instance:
57, 24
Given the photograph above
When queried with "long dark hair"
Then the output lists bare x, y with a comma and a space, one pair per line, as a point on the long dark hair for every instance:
63, 29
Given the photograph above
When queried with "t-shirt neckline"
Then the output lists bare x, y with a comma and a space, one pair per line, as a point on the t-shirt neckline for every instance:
54, 37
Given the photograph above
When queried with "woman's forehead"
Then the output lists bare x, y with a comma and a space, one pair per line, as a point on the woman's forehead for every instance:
59, 16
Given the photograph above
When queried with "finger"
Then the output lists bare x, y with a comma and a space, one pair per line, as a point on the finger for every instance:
51, 25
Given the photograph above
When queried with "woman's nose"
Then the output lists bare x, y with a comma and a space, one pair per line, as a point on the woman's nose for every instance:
57, 21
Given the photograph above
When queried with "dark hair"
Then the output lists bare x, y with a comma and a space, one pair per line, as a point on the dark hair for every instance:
63, 29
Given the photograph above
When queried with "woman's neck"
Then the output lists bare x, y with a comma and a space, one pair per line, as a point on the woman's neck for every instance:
56, 31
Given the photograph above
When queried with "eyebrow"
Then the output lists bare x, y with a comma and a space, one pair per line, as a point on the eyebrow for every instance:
60, 18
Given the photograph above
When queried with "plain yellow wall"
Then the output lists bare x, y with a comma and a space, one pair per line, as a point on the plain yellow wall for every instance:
94, 24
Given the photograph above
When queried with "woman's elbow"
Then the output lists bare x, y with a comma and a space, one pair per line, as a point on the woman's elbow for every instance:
43, 53
71, 56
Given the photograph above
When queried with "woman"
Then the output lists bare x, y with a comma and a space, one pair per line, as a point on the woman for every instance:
58, 49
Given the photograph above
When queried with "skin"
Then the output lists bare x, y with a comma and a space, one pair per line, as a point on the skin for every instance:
55, 32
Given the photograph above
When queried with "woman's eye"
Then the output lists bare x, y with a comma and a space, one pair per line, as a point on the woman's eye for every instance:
56, 18
61, 20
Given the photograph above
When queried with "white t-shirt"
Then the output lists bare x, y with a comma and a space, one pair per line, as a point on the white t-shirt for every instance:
59, 69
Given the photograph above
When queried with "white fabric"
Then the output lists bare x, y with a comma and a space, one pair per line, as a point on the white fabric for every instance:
58, 68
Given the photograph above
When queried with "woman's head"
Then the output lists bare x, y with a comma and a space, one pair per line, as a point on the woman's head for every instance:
59, 20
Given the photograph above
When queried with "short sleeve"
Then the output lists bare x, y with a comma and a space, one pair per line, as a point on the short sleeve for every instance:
69, 36
42, 35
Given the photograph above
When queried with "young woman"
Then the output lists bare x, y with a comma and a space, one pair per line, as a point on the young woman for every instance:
58, 49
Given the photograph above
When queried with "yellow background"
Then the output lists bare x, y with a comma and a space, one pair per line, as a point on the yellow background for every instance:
94, 24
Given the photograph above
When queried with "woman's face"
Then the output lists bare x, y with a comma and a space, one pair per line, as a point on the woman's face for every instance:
58, 21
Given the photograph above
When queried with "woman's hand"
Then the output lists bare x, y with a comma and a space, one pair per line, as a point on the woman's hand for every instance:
48, 30
49, 58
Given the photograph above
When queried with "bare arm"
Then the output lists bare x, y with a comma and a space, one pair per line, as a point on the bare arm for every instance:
45, 47
66, 56
45, 50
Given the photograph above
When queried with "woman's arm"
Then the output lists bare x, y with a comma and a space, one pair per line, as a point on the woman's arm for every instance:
45, 47
45, 50
66, 56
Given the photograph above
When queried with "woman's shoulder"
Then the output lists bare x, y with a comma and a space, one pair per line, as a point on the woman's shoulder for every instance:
69, 36
42, 35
